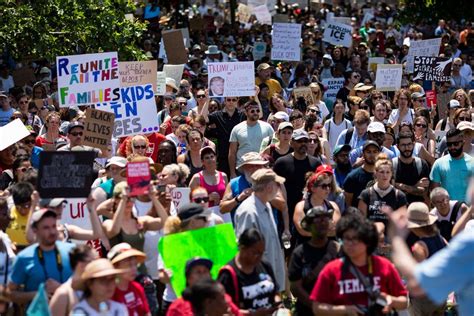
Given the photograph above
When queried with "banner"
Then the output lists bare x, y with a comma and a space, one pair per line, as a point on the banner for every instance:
180, 196
305, 93
138, 177
136, 114
136, 73
231, 79
332, 87
262, 14
87, 79
342, 20
217, 243
338, 34
12, 133
374, 61
174, 46
174, 71
286, 41
388, 77
432, 68
259, 50
65, 173
428, 47
98, 129
160, 83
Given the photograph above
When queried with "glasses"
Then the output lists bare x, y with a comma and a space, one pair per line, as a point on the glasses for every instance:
139, 146
77, 134
254, 111
315, 111
232, 100
347, 239
463, 118
200, 96
203, 199
324, 186
451, 144
29, 141
314, 141
356, 76
421, 125
405, 145
24, 169
183, 103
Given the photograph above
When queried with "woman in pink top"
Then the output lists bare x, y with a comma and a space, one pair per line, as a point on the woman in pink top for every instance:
210, 178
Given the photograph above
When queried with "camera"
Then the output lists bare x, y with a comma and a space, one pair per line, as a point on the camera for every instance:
375, 309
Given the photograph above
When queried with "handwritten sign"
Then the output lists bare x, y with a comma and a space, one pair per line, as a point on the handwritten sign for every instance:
432, 68
374, 61
136, 73
262, 14
342, 20
389, 77
338, 34
333, 86
174, 47
286, 41
98, 128
11, 133
180, 196
87, 79
65, 173
136, 114
138, 177
259, 50
305, 93
233, 79
174, 71
160, 83
428, 47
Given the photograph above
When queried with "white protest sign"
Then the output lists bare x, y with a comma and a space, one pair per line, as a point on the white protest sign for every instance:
160, 83
333, 86
186, 38
136, 114
259, 50
338, 34
174, 71
263, 15
12, 133
87, 79
180, 196
439, 137
428, 47
286, 41
162, 52
368, 15
374, 61
225, 216
341, 19
388, 77
231, 79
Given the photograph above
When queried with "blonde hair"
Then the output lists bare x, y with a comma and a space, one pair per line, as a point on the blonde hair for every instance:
129, 144
414, 87
382, 160
317, 95
173, 225
179, 169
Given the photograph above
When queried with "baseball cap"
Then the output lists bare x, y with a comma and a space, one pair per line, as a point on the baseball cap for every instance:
190, 210
280, 115
284, 125
299, 134
376, 127
37, 216
74, 124
197, 261
327, 56
370, 143
313, 213
263, 66
340, 148
52, 202
362, 87
454, 104
323, 169
464, 125
416, 95
117, 161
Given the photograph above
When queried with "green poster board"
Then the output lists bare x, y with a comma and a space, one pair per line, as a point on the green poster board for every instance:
217, 243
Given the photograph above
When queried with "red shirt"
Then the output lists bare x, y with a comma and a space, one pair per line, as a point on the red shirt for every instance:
343, 288
154, 140
41, 140
181, 307
134, 298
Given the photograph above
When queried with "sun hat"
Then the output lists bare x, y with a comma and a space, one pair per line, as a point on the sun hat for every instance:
212, 50
124, 251
252, 158
266, 175
99, 268
170, 82
419, 215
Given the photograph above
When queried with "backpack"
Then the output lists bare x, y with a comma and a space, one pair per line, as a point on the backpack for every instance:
235, 282
418, 164
446, 227
348, 137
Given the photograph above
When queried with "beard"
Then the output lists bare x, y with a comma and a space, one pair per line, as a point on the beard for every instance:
455, 153
406, 153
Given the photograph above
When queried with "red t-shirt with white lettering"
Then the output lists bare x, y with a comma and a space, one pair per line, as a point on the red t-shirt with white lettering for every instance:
337, 287
154, 141
134, 298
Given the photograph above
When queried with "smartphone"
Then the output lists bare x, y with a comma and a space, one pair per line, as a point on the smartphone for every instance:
161, 188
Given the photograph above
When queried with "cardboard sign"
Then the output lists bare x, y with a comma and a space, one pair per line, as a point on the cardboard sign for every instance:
186, 39
305, 93
374, 61
262, 14
87, 79
389, 77
332, 87
65, 173
174, 71
160, 83
98, 128
259, 50
286, 41
174, 46
24, 76
138, 177
136, 73
338, 34
432, 68
422, 48
439, 137
431, 98
180, 196
231, 79
137, 114
11, 133
217, 243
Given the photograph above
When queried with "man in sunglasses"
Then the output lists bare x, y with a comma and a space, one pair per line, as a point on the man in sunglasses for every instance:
453, 171
247, 136
75, 136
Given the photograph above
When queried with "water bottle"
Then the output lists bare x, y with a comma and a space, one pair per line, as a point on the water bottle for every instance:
103, 309
286, 241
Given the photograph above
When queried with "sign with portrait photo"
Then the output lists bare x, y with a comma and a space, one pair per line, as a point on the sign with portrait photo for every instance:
231, 79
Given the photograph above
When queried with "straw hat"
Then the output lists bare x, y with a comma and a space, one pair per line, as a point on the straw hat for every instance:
124, 251
99, 268
419, 215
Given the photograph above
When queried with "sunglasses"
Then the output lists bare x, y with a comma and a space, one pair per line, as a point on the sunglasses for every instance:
77, 134
203, 199
466, 119
24, 169
314, 111
323, 185
139, 146
232, 100
451, 144
200, 96
421, 125
314, 141
254, 111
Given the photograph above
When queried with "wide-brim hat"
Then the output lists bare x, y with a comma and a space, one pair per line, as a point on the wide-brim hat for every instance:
124, 251
170, 82
212, 49
252, 158
100, 268
312, 213
419, 215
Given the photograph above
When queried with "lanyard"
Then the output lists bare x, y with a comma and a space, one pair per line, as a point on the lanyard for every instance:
59, 262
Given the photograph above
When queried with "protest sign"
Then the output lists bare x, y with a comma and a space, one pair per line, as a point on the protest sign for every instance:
42, 102
180, 196
374, 61
87, 79
217, 243
244, 13
342, 20
138, 177
98, 129
65, 173
160, 83
305, 93
389, 77
432, 68
174, 47
428, 47
162, 52
431, 98
12, 133
439, 137
262, 14
24, 76
135, 73
259, 50
280, 18
332, 87
174, 71
286, 41
338, 34
231, 79
136, 114
186, 39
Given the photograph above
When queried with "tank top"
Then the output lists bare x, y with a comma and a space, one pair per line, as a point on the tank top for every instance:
307, 206
434, 244
219, 187
136, 241
192, 169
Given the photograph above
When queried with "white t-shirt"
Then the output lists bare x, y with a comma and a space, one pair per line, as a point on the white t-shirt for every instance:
407, 118
4, 256
335, 130
84, 309
434, 211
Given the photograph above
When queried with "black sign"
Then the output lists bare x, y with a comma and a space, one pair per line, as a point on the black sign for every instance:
65, 173
432, 68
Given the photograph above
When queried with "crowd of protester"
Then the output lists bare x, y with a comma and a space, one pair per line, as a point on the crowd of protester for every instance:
339, 206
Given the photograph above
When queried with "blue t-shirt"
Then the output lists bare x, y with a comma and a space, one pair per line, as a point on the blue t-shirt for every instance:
35, 153
453, 175
238, 185
28, 270
5, 116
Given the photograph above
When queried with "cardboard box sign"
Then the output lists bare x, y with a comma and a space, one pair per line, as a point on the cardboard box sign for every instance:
66, 173
98, 128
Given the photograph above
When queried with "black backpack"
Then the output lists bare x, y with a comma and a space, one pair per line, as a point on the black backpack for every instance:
446, 227
348, 137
